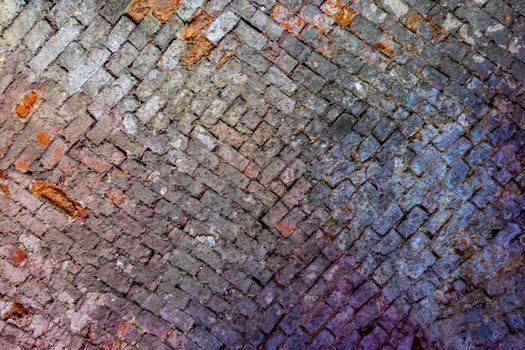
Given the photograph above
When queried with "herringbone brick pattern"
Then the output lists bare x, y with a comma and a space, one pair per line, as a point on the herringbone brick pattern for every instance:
262, 174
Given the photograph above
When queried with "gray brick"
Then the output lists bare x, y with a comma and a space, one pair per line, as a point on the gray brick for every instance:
111, 95
119, 34
170, 58
50, 51
367, 148
308, 78
398, 7
390, 217
23, 23
72, 56
280, 100
145, 61
221, 26
412, 222
365, 30
38, 35
294, 47
250, 36
187, 8
321, 65
94, 33
333, 178
204, 339
266, 24
9, 11
83, 72
278, 78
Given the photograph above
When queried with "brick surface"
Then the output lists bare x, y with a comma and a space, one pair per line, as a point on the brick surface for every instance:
262, 174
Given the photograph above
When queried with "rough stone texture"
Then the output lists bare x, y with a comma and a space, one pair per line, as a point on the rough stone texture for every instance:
28, 103
60, 199
262, 174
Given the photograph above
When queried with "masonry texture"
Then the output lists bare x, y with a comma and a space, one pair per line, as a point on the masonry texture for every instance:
262, 174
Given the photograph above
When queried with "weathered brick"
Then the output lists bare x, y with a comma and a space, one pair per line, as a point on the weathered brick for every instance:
111, 95
265, 23
221, 26
200, 48
287, 19
25, 20
261, 174
28, 104
341, 12
59, 198
54, 153
119, 34
83, 72
50, 51
194, 29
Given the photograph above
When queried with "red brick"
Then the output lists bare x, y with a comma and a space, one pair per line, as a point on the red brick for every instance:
91, 160
286, 228
17, 255
116, 196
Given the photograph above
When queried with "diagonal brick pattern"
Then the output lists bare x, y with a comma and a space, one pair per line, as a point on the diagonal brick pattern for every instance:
262, 174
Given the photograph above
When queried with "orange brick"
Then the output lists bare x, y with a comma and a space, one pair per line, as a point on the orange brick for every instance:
163, 9
4, 189
17, 311
28, 104
412, 20
224, 58
339, 11
194, 29
60, 199
137, 9
287, 19
22, 165
43, 138
200, 48
385, 46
